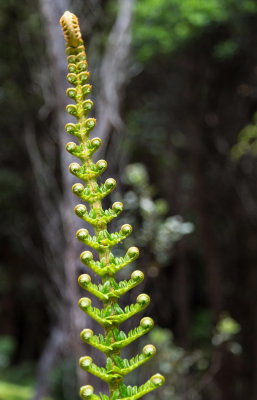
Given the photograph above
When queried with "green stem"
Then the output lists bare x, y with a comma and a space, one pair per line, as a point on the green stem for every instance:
97, 206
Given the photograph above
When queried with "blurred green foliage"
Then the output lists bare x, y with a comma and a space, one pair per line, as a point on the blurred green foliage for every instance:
228, 326
155, 230
225, 49
161, 26
63, 380
11, 391
7, 347
186, 369
202, 327
247, 141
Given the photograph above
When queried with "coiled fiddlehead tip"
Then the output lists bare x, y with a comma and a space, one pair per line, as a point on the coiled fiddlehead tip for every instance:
86, 334
146, 323
86, 391
70, 26
149, 350
157, 380
143, 299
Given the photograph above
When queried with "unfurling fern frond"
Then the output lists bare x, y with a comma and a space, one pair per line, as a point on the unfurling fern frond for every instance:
111, 315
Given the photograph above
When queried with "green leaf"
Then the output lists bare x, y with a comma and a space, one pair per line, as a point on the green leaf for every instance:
104, 396
101, 267
87, 364
228, 326
146, 324
134, 393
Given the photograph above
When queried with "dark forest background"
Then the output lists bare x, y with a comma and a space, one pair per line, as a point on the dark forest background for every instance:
175, 82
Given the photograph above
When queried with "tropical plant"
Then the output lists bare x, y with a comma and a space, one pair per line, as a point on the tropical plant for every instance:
109, 290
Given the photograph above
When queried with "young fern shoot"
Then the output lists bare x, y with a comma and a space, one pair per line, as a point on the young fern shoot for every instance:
109, 290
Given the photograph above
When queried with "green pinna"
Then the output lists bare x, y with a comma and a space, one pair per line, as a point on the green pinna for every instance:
108, 290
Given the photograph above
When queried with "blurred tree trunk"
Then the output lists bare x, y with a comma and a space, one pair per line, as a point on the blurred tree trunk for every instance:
212, 261
198, 152
183, 295
51, 12
114, 75
69, 320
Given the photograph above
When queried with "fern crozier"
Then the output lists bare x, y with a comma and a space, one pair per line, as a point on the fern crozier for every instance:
106, 265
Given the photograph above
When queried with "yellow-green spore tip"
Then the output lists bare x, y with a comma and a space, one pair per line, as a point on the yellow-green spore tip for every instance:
70, 26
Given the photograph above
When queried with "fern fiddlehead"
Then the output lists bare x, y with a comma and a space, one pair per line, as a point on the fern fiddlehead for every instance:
108, 290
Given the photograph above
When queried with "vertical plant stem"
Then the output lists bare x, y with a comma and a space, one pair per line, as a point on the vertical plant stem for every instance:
109, 291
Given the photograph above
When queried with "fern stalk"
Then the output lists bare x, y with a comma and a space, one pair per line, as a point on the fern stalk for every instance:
109, 290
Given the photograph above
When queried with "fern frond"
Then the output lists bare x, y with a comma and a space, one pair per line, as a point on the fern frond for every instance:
113, 314
134, 392
84, 173
102, 241
98, 218
110, 266
87, 393
142, 302
124, 286
98, 341
91, 196
87, 364
85, 282
95, 313
146, 324
124, 366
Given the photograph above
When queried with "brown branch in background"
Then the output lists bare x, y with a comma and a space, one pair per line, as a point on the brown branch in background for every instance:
114, 74
49, 358
69, 320
49, 219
